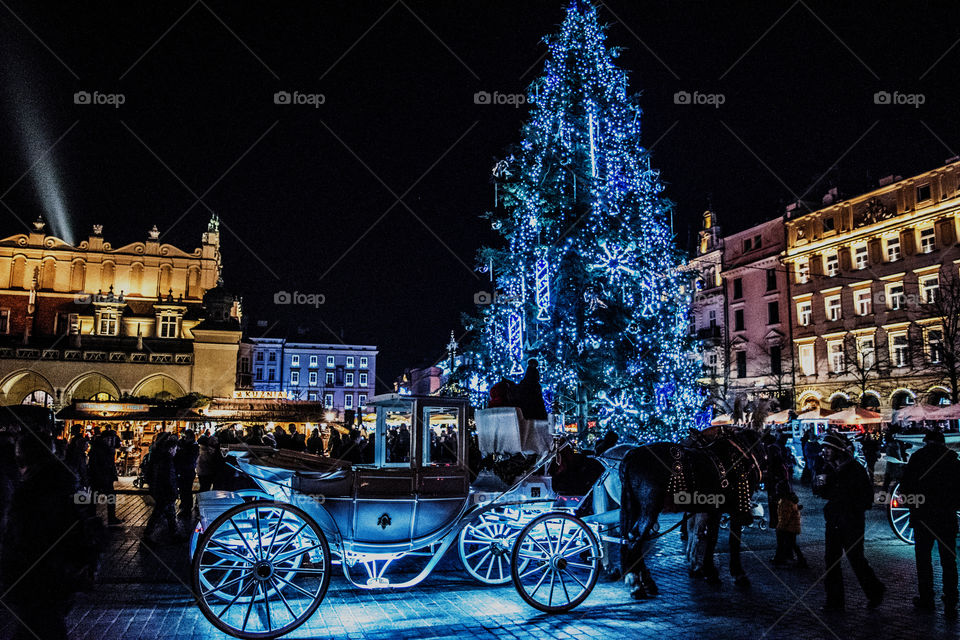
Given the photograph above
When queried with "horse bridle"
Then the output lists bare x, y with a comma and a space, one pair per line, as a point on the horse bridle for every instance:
748, 452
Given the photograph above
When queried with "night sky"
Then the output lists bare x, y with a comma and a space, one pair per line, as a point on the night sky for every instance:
309, 196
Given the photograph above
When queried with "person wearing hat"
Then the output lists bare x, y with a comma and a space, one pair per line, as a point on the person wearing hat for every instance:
931, 488
844, 483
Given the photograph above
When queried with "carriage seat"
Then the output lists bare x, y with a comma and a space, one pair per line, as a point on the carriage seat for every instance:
504, 430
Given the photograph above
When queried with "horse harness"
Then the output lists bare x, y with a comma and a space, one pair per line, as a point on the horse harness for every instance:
682, 471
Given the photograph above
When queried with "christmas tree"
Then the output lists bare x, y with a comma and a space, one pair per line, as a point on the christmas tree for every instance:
587, 282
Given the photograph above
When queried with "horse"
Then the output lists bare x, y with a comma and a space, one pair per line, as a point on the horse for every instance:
717, 473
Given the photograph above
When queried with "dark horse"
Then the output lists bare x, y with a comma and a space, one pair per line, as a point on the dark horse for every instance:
717, 472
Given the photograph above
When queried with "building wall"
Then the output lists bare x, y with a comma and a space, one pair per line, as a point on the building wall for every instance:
757, 328
864, 249
341, 376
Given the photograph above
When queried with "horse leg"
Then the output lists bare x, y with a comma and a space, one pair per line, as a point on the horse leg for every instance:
710, 572
736, 567
635, 571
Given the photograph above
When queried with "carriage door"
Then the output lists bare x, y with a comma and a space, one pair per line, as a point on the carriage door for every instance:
442, 483
386, 493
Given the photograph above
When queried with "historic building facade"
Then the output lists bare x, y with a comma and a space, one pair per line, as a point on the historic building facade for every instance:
868, 276
91, 321
342, 376
758, 313
708, 312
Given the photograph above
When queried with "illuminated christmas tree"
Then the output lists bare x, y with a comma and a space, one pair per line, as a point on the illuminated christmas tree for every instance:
587, 282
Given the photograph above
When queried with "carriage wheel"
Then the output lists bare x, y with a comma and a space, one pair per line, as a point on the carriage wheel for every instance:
261, 569
899, 516
484, 547
555, 562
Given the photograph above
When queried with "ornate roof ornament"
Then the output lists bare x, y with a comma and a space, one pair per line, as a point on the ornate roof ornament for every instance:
154, 233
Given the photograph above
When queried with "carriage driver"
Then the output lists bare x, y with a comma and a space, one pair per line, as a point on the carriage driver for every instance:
844, 483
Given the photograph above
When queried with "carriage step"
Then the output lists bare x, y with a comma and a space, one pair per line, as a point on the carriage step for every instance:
378, 583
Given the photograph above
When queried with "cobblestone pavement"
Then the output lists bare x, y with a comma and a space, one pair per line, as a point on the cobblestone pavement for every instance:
143, 594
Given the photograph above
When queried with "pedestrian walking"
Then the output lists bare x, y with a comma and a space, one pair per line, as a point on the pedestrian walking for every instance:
843, 483
50, 549
777, 483
162, 479
185, 463
931, 487
209, 462
103, 472
788, 528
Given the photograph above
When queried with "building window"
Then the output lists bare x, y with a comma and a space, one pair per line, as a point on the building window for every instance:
805, 313
832, 264
363, 379
860, 256
866, 352
330, 361
741, 364
108, 323
348, 401
895, 297
738, 320
167, 325
328, 400
898, 349
835, 350
832, 305
350, 361
361, 401
923, 192
294, 378
773, 312
295, 360
5, 321
244, 365
259, 373
312, 396
803, 271
348, 379
935, 345
259, 356
771, 279
776, 360
828, 224
363, 362
313, 378
272, 357
272, 375
329, 378
929, 288
893, 249
313, 361
863, 302
928, 240
808, 362
747, 244
737, 288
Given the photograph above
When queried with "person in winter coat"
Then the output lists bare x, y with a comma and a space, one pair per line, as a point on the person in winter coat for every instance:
76, 459
9, 475
185, 463
843, 482
209, 462
103, 472
776, 480
931, 487
162, 479
530, 393
48, 552
788, 527
315, 443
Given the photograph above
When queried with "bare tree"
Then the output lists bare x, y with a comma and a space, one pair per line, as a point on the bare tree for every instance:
935, 349
864, 361
780, 370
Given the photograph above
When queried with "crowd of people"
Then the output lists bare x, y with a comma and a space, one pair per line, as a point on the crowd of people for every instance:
929, 486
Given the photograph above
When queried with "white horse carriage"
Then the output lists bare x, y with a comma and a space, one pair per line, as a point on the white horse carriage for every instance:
263, 559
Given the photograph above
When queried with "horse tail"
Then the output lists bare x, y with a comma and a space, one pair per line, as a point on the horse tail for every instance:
628, 501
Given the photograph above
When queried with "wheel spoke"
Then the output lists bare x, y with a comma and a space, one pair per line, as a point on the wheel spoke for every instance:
289, 540
582, 586
490, 568
235, 598
222, 586
553, 581
564, 585
283, 598
295, 553
266, 605
499, 566
576, 551
540, 581
297, 587
243, 539
541, 567
232, 552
